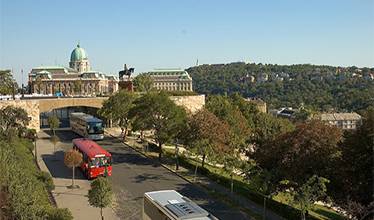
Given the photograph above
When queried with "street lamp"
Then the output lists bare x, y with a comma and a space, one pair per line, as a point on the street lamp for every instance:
176, 155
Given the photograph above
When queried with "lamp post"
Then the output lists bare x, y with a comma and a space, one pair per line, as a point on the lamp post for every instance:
36, 151
176, 155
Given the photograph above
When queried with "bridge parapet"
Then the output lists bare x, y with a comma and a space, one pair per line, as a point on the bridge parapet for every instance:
34, 107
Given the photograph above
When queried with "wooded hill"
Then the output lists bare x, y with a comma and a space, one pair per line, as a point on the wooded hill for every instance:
322, 88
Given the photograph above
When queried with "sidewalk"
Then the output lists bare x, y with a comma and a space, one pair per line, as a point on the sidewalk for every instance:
205, 182
74, 199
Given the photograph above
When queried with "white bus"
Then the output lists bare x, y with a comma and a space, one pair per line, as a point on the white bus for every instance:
170, 205
87, 126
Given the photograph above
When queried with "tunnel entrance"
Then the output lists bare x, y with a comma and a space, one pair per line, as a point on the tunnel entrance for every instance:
63, 115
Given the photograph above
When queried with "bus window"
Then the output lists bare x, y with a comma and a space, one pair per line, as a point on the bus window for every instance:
100, 162
95, 128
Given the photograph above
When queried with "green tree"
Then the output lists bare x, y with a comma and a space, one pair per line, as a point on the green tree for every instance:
313, 190
54, 140
268, 127
100, 195
318, 87
143, 83
72, 159
224, 108
268, 181
13, 120
230, 159
355, 170
156, 111
54, 123
7, 83
117, 108
32, 136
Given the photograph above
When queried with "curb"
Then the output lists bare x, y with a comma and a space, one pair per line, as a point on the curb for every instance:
51, 198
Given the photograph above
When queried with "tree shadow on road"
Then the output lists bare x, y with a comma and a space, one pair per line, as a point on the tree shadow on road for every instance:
64, 136
57, 168
132, 158
149, 177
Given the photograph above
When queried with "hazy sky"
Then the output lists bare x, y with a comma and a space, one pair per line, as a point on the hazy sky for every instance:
175, 33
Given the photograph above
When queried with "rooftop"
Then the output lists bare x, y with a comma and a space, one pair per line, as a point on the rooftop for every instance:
340, 116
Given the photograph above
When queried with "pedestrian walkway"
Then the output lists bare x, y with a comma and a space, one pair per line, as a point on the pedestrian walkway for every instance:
205, 182
75, 200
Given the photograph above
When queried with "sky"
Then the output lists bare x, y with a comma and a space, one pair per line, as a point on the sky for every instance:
176, 33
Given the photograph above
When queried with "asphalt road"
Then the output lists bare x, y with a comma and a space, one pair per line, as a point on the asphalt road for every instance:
133, 175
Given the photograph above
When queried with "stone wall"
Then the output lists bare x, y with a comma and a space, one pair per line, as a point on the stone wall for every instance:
31, 107
47, 105
35, 107
191, 103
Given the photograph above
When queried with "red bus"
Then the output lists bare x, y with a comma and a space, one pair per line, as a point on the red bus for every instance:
96, 160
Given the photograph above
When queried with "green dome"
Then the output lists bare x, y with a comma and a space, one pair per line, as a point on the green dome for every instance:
78, 54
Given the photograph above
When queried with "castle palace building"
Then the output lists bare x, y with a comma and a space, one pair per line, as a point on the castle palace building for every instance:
171, 79
77, 79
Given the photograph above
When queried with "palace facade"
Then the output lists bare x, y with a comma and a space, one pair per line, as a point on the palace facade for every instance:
77, 79
171, 79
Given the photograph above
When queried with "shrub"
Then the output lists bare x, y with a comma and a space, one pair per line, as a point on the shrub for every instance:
27, 195
152, 147
46, 178
60, 214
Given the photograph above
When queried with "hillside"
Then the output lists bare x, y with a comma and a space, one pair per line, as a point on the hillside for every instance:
323, 88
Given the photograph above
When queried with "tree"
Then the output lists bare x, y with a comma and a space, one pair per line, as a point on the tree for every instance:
312, 148
54, 123
143, 83
117, 108
7, 83
267, 127
54, 139
13, 120
224, 108
100, 194
72, 159
269, 182
205, 133
318, 87
156, 111
310, 192
32, 136
355, 170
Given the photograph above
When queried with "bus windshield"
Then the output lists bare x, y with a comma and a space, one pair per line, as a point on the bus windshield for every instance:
95, 128
100, 162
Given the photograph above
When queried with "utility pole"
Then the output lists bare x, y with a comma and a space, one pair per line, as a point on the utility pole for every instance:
22, 89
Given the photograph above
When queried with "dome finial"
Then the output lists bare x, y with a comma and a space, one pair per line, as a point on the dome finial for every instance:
78, 44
